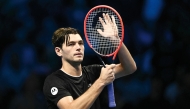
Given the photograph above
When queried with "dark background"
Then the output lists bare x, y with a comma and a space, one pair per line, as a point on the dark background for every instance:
157, 33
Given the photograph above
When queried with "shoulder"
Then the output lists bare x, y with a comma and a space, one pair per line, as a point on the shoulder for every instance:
93, 67
55, 87
54, 80
53, 77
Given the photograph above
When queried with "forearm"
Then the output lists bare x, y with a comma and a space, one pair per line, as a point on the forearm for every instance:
86, 100
127, 62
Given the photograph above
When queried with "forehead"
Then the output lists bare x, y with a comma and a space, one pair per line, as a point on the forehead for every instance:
74, 37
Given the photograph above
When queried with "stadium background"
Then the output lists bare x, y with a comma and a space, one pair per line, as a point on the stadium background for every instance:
157, 33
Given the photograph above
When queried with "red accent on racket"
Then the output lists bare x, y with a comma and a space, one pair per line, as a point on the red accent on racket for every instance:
104, 34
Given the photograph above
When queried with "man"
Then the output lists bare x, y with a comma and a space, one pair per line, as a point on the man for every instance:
77, 87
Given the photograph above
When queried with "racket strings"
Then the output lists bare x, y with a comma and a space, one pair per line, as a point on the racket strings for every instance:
102, 45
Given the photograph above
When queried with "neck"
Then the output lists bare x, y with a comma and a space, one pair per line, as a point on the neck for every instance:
72, 69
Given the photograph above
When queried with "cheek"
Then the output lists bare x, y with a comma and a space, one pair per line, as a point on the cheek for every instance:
67, 52
83, 48
67, 55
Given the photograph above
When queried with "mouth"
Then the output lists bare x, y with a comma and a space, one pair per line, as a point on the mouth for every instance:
78, 54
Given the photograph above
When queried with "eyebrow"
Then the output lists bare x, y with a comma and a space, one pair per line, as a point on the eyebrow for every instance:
70, 42
75, 41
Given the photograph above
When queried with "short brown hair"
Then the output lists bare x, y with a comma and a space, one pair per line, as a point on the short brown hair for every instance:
62, 34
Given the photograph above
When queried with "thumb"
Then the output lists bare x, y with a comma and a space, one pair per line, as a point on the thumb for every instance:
100, 31
113, 66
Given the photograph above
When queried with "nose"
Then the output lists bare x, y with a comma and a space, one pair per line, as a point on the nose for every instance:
78, 47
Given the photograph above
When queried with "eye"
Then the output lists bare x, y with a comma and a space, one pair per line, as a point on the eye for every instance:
81, 43
71, 44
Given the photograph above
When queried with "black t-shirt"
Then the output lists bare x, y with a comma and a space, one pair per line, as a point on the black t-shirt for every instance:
59, 84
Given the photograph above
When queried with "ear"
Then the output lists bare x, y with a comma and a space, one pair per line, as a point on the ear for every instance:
58, 51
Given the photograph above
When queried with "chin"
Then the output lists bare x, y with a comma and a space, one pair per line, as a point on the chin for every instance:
79, 60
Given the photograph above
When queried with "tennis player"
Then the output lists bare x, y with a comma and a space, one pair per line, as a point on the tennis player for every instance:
78, 87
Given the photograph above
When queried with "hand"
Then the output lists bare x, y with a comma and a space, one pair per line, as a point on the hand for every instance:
107, 74
109, 26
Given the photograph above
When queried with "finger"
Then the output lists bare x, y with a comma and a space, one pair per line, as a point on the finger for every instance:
101, 21
105, 18
115, 26
113, 74
108, 18
107, 65
113, 19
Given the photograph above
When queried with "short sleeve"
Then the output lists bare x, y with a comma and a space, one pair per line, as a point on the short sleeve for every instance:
54, 89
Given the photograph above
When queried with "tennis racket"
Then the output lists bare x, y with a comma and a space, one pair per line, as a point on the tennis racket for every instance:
104, 33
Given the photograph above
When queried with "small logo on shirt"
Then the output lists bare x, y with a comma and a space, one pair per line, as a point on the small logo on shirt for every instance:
54, 90
89, 85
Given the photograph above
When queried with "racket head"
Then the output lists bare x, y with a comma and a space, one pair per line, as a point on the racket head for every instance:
102, 45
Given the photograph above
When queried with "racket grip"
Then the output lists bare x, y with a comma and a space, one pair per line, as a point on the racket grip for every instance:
111, 95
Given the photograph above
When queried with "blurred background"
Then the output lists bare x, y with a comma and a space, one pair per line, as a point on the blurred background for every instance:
157, 33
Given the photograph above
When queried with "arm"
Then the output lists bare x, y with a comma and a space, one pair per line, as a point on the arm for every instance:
127, 64
86, 100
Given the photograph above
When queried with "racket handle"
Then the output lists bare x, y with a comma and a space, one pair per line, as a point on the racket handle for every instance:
111, 95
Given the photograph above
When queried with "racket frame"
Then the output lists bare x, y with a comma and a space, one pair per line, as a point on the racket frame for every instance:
122, 27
